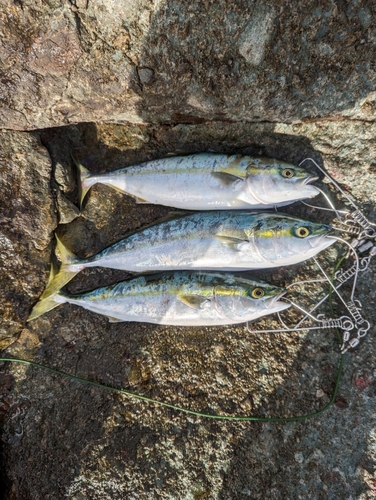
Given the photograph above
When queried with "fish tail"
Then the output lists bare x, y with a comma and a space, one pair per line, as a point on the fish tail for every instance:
70, 266
46, 304
85, 182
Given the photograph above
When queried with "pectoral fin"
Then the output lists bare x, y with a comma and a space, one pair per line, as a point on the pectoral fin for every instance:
194, 301
230, 241
226, 179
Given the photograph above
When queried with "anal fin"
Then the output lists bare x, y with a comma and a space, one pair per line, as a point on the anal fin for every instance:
140, 201
115, 320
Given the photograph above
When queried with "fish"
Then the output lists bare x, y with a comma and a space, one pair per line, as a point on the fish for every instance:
220, 240
208, 181
182, 298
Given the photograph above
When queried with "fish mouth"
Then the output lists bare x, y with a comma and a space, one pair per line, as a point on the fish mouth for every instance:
308, 190
322, 241
306, 181
311, 178
276, 304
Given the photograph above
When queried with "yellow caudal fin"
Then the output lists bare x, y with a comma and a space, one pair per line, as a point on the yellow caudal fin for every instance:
83, 184
68, 270
45, 305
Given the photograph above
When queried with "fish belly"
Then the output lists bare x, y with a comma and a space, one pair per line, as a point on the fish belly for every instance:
182, 182
162, 309
187, 253
186, 191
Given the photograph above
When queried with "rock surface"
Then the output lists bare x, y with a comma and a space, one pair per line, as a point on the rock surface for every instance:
27, 219
140, 61
283, 79
64, 439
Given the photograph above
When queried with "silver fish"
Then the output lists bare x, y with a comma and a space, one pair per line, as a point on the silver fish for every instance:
180, 298
228, 241
208, 181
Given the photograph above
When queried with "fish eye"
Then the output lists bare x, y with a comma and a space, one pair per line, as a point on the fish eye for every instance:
257, 293
288, 173
302, 232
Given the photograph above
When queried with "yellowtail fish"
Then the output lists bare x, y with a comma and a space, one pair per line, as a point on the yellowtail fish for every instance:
222, 240
208, 181
180, 298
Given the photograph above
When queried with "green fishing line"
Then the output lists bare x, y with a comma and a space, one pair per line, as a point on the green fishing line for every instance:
198, 413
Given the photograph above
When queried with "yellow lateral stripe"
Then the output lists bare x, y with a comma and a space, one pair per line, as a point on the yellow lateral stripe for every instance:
272, 233
205, 292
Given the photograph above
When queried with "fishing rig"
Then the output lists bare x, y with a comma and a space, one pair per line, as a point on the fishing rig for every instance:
362, 247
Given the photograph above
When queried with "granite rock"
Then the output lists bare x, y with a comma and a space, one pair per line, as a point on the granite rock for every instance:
64, 439
27, 220
143, 61
289, 80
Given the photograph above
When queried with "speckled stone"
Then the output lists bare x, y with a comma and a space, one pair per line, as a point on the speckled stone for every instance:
63, 439
153, 61
125, 81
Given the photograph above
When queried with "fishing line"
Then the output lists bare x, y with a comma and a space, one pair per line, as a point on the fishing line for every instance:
280, 319
356, 262
229, 417
357, 216
356, 271
332, 286
193, 412
331, 180
332, 209
179, 408
324, 208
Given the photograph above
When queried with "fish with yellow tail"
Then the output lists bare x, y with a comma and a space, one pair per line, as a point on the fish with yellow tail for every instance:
208, 181
182, 298
222, 240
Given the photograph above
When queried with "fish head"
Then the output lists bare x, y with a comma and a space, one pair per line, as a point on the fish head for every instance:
274, 182
247, 299
311, 236
285, 240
